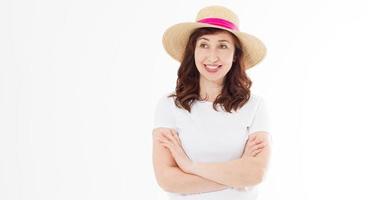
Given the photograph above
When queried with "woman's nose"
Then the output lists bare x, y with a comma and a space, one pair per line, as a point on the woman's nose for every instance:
212, 56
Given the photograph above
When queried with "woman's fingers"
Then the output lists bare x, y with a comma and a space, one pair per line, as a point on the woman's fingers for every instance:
176, 137
166, 135
171, 137
255, 144
257, 141
259, 146
168, 140
165, 143
256, 152
172, 147
252, 138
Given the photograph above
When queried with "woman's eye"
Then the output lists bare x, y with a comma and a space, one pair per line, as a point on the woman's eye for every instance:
223, 46
203, 45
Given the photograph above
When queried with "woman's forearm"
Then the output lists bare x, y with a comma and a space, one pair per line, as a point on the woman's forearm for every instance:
177, 181
239, 173
235, 173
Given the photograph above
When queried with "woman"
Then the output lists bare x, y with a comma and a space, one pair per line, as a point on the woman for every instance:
210, 136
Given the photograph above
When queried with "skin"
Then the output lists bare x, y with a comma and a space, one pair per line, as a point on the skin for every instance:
214, 49
240, 173
170, 159
207, 177
172, 142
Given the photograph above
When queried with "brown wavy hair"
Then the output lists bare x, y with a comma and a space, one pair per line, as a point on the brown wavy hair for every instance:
236, 86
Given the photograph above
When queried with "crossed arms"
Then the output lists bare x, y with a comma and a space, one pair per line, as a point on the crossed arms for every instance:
178, 176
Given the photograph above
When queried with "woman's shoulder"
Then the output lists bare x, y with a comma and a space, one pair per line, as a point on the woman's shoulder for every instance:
166, 99
253, 102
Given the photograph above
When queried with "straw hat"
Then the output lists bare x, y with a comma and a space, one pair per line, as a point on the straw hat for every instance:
176, 37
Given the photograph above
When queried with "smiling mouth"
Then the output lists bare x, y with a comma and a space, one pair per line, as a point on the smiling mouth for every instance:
212, 68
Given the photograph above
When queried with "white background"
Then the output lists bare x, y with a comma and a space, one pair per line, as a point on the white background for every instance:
79, 81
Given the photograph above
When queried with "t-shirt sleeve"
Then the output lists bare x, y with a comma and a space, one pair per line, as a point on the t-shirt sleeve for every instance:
261, 120
163, 114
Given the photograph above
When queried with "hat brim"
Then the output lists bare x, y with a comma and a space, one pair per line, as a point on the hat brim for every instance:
176, 37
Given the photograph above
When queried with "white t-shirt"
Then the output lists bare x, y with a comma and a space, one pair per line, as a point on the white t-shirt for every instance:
211, 136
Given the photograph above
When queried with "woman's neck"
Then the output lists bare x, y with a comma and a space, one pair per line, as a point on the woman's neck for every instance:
209, 89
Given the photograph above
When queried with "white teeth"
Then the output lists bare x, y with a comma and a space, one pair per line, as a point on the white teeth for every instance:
212, 66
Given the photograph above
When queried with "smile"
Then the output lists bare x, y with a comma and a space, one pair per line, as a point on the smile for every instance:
212, 68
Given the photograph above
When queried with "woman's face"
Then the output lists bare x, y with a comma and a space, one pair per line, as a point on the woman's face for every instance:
213, 55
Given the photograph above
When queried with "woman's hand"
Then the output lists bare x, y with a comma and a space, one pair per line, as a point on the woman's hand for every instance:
171, 141
254, 146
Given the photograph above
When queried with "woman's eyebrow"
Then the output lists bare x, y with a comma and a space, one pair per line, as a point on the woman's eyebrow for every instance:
224, 41
203, 38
